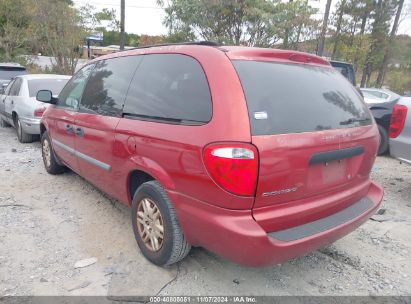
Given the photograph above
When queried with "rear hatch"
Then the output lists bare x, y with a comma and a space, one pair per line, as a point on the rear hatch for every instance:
314, 133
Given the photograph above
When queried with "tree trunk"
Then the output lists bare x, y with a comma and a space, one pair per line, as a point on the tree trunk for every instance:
122, 20
383, 69
338, 28
324, 29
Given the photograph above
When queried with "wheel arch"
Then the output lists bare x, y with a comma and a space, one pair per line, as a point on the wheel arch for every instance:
134, 180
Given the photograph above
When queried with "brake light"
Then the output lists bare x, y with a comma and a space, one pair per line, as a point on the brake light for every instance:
233, 166
39, 112
398, 116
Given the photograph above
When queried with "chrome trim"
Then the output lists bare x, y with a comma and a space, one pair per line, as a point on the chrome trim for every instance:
85, 157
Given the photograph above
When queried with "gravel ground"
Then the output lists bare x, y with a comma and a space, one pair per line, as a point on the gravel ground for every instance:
48, 223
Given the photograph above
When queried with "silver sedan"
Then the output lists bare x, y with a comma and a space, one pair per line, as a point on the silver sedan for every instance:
400, 130
19, 107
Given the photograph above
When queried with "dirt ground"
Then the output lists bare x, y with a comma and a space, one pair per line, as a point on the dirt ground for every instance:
48, 223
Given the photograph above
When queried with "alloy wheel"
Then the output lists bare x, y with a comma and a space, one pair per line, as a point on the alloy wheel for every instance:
150, 224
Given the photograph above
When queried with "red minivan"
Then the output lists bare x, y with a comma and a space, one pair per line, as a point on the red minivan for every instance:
259, 155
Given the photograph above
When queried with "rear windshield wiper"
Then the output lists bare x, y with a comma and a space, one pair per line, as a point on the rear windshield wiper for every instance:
353, 120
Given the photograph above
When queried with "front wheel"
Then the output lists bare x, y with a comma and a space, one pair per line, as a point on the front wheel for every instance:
49, 159
155, 226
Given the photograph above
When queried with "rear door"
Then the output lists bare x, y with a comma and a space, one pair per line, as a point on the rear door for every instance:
5, 115
61, 119
12, 99
100, 111
313, 132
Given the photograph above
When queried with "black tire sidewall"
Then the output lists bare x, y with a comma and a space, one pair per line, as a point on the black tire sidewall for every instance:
383, 147
162, 256
19, 130
54, 168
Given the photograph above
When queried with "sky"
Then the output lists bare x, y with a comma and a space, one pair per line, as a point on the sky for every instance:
146, 17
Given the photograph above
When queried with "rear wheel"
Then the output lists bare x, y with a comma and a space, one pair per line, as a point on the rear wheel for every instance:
3, 123
22, 136
156, 227
383, 148
49, 158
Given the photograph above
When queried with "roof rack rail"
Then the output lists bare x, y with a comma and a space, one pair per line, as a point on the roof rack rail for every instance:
206, 43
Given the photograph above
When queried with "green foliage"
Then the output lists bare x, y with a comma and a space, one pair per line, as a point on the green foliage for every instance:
398, 80
15, 20
239, 22
113, 38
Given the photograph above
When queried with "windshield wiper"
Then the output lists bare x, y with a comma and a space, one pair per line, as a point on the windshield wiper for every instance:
353, 120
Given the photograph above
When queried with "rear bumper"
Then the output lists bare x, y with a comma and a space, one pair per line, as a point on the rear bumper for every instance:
30, 125
235, 235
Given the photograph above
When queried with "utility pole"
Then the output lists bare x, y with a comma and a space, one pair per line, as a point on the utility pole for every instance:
122, 31
321, 43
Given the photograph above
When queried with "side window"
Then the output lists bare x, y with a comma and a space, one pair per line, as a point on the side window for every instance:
15, 87
170, 88
70, 96
7, 91
107, 86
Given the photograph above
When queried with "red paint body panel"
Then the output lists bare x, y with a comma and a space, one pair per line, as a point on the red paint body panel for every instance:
235, 227
58, 120
236, 236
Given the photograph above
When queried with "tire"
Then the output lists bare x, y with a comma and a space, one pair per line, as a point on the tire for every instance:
173, 246
3, 123
383, 148
49, 158
22, 136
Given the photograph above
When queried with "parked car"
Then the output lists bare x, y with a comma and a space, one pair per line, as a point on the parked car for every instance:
346, 69
400, 130
215, 147
19, 107
8, 71
381, 103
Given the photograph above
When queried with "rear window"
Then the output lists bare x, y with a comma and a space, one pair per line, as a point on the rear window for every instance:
11, 72
54, 85
169, 88
295, 98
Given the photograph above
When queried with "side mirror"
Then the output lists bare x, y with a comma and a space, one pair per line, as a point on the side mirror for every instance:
46, 96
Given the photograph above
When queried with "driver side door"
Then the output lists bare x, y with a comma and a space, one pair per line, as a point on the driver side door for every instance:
62, 117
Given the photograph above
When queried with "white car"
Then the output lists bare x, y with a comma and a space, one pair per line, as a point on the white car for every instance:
19, 107
374, 95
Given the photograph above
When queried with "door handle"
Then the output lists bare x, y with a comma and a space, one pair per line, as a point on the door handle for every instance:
79, 132
69, 128
12, 102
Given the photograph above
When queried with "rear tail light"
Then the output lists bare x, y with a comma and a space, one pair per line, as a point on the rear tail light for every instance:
398, 116
233, 166
39, 112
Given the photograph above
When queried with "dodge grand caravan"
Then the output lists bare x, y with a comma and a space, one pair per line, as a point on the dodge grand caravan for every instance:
258, 155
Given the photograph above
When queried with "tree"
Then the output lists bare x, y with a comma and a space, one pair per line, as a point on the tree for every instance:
240, 22
59, 37
379, 36
383, 69
15, 19
324, 29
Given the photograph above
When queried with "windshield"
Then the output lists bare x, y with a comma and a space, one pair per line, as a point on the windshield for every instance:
9, 73
294, 98
54, 85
